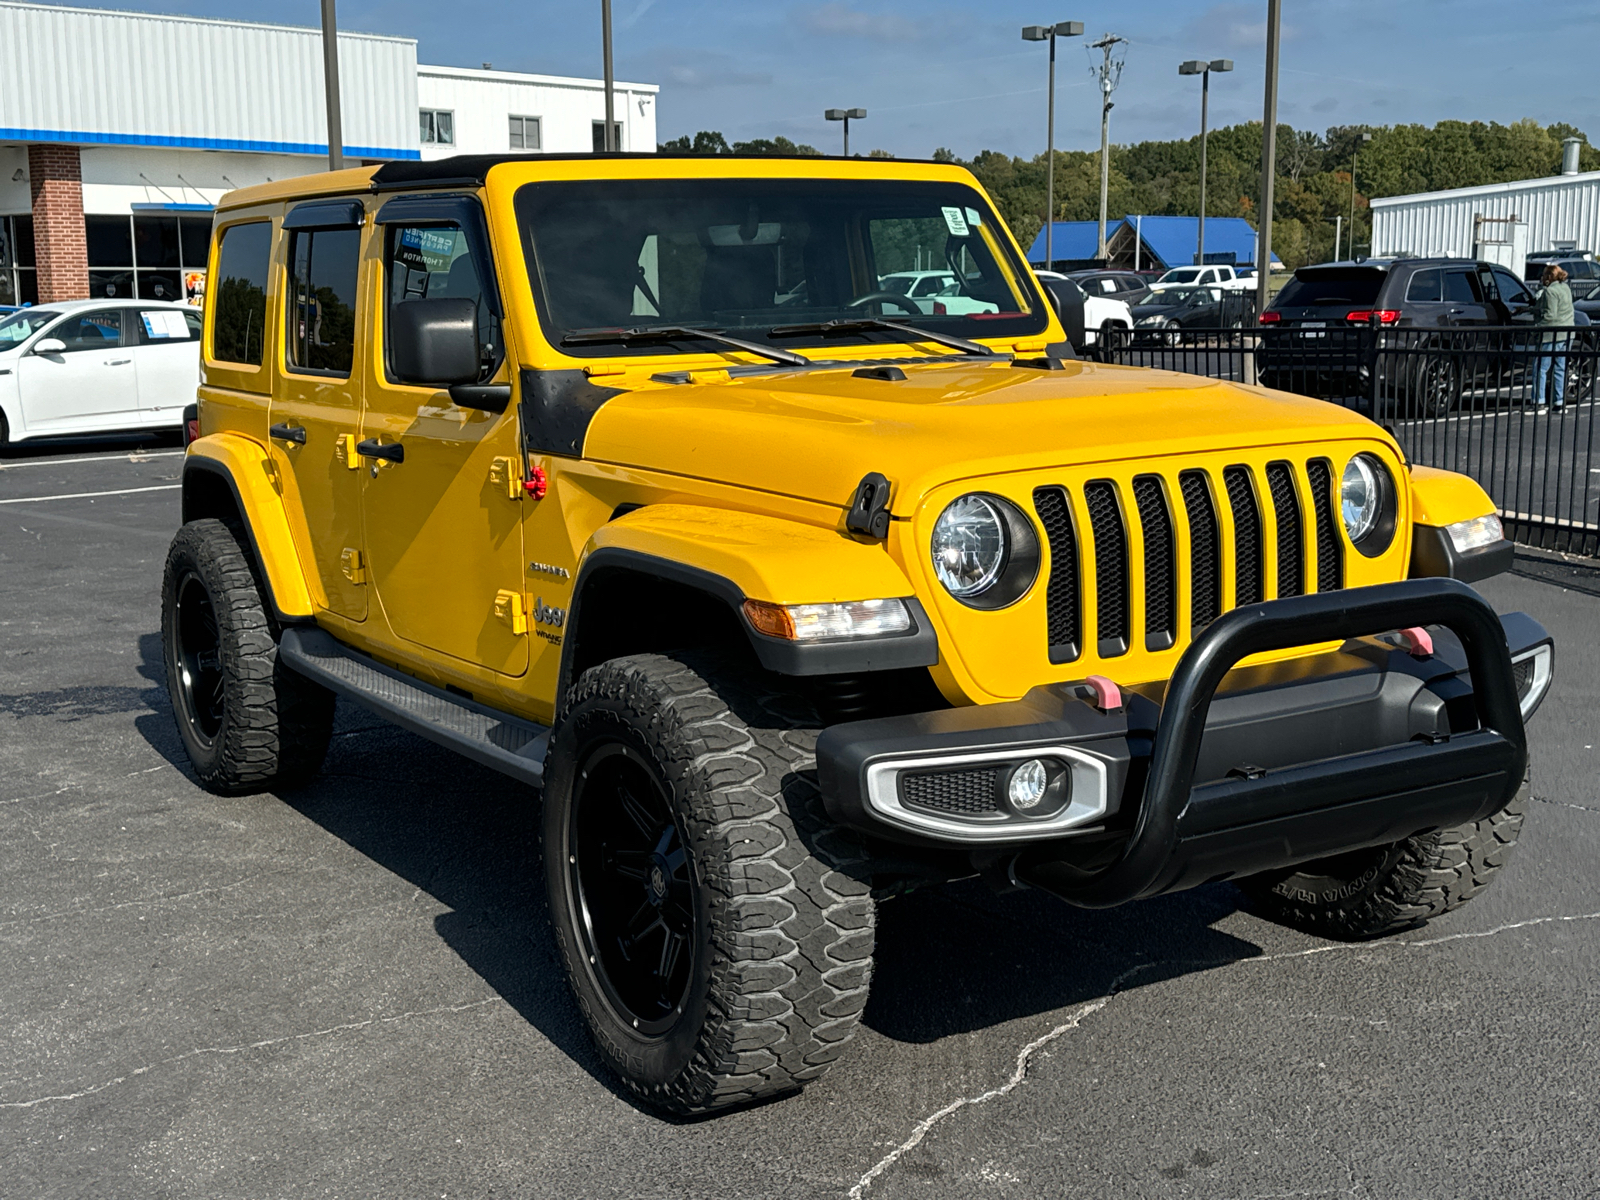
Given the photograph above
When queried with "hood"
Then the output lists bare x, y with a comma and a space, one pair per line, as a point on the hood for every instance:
1154, 308
814, 434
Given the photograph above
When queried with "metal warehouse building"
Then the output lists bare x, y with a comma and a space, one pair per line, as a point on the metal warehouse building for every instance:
119, 131
1554, 212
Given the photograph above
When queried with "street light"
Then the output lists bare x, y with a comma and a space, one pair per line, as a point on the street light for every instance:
1355, 150
846, 115
1049, 33
1203, 69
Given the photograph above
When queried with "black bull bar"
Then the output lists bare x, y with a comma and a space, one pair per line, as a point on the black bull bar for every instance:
1183, 835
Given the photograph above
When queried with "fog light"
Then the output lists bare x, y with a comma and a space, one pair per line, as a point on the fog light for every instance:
1476, 533
1028, 785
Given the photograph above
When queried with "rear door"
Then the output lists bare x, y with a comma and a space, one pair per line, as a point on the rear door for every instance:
315, 418
166, 361
1423, 303
90, 384
1463, 297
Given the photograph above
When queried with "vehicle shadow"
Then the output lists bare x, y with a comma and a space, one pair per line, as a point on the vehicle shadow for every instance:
951, 959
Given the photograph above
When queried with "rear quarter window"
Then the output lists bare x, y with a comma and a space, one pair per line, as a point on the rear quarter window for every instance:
238, 299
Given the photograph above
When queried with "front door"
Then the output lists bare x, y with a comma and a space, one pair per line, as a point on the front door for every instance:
316, 409
90, 384
443, 524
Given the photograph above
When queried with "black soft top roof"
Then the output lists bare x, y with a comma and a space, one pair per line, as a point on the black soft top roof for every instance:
470, 170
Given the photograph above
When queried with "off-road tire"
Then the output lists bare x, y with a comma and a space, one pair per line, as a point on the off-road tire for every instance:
274, 724
1370, 893
784, 917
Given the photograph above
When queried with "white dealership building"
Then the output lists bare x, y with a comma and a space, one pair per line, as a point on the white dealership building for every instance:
119, 131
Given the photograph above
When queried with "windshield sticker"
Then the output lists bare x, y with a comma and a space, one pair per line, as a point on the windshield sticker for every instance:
426, 249
973, 218
165, 323
955, 221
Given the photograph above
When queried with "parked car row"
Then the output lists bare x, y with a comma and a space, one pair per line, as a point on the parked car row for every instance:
1100, 312
96, 366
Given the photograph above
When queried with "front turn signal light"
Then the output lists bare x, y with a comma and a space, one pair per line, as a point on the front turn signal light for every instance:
829, 622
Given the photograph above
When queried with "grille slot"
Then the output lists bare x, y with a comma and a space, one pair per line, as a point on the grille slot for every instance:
1286, 508
1160, 564
1205, 551
1110, 567
974, 792
1246, 535
1330, 554
1065, 616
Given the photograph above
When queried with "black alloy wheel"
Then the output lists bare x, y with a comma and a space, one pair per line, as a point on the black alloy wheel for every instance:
199, 659
634, 887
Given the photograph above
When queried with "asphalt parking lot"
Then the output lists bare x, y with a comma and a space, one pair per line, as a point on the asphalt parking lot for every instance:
350, 991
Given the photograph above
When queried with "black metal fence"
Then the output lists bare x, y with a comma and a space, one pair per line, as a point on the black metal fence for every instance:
1513, 406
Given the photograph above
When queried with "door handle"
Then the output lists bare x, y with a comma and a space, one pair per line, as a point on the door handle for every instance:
289, 433
118, 362
390, 452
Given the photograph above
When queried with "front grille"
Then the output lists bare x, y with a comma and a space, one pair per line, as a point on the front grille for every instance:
974, 792
1167, 589
1522, 677
1110, 566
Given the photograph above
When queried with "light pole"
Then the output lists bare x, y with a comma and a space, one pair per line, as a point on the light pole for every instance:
330, 80
846, 115
1049, 33
1269, 158
1109, 72
1355, 150
1203, 69
605, 37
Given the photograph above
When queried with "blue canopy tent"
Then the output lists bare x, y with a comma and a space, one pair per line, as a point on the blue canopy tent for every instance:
1162, 242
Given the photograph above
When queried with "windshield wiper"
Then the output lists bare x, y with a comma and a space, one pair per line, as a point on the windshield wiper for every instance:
667, 333
860, 324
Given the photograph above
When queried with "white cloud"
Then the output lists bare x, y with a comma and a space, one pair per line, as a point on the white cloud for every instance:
840, 20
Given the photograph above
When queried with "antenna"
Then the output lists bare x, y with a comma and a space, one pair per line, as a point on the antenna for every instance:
1109, 74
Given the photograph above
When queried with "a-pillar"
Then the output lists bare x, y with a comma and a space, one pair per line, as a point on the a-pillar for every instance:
60, 252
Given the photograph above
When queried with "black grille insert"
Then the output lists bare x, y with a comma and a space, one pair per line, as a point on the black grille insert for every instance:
1110, 567
1246, 535
1330, 554
1065, 618
1160, 564
973, 792
1205, 551
1286, 510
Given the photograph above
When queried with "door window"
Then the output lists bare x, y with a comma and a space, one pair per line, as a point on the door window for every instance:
1460, 288
432, 262
1511, 291
1425, 287
239, 301
321, 328
91, 331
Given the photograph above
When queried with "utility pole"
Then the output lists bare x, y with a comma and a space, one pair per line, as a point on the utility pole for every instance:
1039, 33
610, 142
1354, 154
1109, 73
1269, 158
1338, 232
330, 79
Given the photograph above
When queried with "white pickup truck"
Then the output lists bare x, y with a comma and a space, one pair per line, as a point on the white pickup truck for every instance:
1210, 275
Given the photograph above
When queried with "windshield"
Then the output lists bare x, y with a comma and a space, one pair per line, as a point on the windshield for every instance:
1181, 275
20, 326
1186, 297
742, 256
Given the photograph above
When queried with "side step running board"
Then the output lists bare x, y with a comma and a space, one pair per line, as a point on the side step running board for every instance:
508, 744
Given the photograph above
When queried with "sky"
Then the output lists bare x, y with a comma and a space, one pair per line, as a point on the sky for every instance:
932, 73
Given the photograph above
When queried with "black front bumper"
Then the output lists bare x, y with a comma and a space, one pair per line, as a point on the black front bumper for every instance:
1222, 771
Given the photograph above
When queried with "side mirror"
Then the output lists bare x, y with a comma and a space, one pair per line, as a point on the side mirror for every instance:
1067, 300
49, 346
434, 341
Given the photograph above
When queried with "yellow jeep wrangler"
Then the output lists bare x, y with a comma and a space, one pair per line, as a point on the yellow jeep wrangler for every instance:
648, 482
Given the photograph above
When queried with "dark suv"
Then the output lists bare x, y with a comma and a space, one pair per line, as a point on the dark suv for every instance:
1320, 326
1128, 286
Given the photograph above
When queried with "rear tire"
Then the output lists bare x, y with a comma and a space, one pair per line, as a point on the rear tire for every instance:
1369, 893
248, 722
716, 929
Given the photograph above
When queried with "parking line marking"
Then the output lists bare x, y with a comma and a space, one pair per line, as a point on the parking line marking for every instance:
166, 487
133, 456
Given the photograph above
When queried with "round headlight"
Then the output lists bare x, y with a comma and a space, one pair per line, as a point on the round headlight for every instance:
969, 546
1358, 498
1368, 504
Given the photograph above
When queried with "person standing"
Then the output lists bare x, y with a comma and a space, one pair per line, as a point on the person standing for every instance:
1554, 312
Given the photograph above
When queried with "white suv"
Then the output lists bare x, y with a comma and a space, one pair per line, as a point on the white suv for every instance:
1099, 312
96, 366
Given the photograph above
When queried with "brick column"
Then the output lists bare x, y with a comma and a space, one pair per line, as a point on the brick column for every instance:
59, 247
